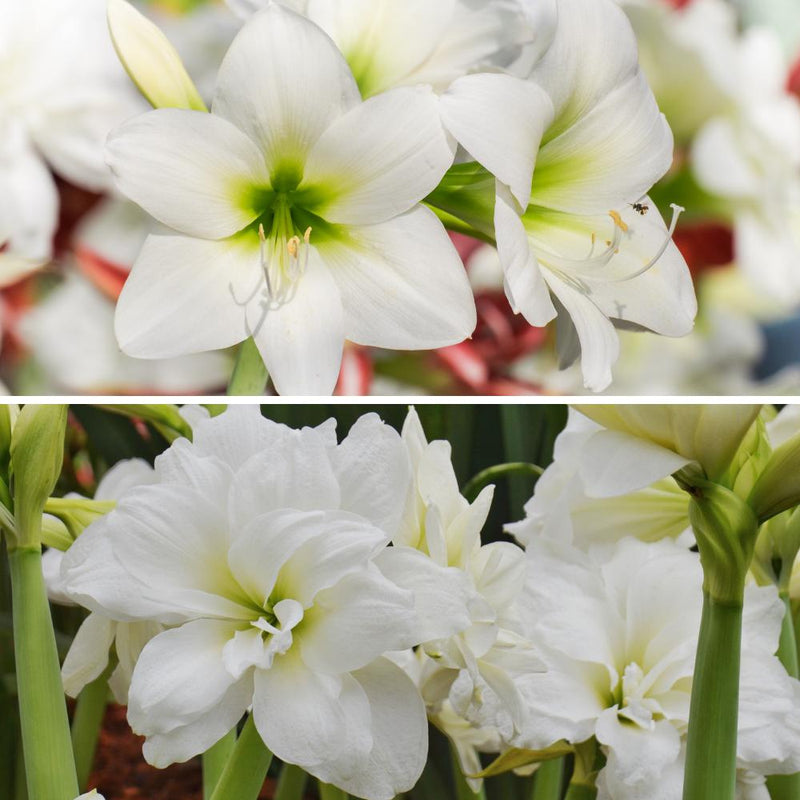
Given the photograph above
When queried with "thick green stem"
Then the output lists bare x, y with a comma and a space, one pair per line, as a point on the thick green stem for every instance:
583, 791
291, 783
549, 780
214, 761
49, 762
714, 714
246, 769
786, 787
463, 789
249, 376
86, 723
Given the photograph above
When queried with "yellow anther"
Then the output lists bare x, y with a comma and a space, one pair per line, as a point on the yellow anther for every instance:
261, 235
293, 246
307, 235
618, 221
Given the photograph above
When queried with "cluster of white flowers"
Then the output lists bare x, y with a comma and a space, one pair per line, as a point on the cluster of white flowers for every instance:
341, 594
300, 210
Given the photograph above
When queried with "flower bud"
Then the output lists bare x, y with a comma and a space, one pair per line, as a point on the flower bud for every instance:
150, 59
37, 455
778, 486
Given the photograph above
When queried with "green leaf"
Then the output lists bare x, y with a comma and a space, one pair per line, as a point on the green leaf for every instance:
516, 757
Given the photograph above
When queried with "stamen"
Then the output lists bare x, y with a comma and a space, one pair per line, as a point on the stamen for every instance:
262, 238
618, 221
676, 214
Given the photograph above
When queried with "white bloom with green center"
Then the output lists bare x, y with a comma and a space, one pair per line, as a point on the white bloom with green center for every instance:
577, 235
618, 634
297, 207
265, 549
61, 91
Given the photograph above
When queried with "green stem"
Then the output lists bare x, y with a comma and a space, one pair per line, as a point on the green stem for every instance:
549, 780
249, 373
214, 761
49, 761
582, 791
714, 713
328, 792
463, 789
786, 787
291, 783
482, 479
247, 767
86, 723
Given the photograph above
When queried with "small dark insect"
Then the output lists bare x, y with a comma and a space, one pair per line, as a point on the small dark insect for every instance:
641, 208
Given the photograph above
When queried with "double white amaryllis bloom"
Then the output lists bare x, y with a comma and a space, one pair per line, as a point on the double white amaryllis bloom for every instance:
264, 550
618, 633
578, 237
62, 91
297, 211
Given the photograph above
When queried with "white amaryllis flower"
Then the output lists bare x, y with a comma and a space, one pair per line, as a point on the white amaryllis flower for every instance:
62, 91
475, 669
89, 652
298, 209
618, 634
263, 547
562, 509
577, 236
93, 795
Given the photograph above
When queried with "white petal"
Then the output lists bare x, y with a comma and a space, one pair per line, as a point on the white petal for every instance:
124, 475
283, 82
399, 735
639, 755
177, 281
599, 342
302, 340
190, 170
615, 463
609, 157
130, 641
345, 544
374, 473
525, 287
499, 120
379, 159
402, 284
308, 719
304, 551
293, 471
365, 610
180, 676
88, 654
384, 40
441, 594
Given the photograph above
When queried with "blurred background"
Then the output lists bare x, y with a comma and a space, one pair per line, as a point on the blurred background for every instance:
726, 74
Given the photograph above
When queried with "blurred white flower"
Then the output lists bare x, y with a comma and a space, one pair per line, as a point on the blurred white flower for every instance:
264, 547
618, 634
70, 334
300, 216
63, 90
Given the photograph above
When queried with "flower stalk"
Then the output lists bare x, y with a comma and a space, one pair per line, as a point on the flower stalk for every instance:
49, 763
214, 761
86, 723
246, 769
291, 783
249, 373
549, 780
